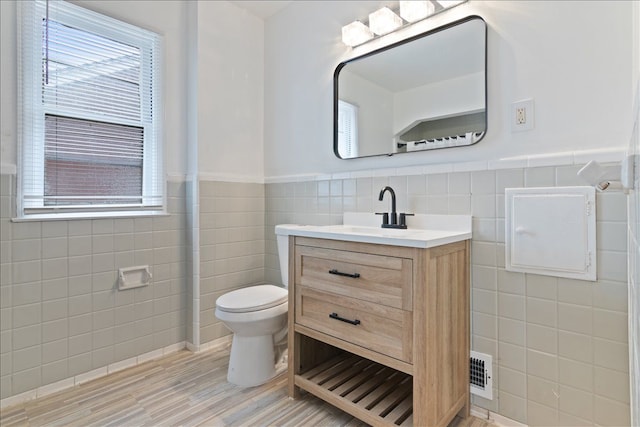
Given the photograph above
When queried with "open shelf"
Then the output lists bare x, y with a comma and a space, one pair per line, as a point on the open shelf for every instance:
368, 390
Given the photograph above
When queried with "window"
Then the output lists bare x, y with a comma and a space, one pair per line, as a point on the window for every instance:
347, 130
89, 113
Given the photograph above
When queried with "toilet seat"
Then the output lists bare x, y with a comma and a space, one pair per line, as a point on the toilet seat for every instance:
253, 298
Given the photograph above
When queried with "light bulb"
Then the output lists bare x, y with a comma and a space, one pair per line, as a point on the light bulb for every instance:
413, 11
356, 33
384, 21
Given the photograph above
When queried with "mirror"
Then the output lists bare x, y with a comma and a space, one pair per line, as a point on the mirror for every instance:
426, 92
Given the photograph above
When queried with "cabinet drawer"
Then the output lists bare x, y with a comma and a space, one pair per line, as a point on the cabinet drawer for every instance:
380, 279
383, 329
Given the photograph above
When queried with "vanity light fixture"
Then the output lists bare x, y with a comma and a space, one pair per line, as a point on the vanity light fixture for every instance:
356, 33
384, 21
414, 11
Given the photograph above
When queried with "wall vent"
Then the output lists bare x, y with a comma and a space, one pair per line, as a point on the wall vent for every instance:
481, 375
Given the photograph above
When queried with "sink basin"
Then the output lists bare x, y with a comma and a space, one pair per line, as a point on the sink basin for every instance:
423, 231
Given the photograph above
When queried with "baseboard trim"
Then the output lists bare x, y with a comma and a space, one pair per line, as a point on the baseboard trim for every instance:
497, 419
479, 412
61, 385
217, 344
503, 421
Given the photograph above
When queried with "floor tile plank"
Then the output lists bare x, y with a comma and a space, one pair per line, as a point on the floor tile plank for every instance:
186, 389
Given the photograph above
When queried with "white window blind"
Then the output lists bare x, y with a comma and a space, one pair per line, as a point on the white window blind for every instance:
347, 129
90, 112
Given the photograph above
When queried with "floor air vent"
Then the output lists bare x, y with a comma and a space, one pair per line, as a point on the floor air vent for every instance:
481, 375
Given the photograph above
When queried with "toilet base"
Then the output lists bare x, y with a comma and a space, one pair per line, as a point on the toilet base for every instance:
252, 360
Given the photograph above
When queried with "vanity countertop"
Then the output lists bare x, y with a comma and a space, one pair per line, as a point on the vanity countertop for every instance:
423, 230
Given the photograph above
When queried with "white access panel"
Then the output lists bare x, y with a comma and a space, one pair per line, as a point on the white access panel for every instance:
551, 231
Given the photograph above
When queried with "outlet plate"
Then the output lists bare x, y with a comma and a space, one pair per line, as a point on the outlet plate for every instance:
522, 115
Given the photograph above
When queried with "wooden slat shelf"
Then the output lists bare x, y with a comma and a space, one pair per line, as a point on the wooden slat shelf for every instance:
372, 392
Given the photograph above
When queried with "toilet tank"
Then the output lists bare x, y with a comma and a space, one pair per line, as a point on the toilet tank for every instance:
282, 240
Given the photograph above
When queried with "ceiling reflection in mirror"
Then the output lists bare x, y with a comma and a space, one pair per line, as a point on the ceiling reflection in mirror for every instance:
424, 93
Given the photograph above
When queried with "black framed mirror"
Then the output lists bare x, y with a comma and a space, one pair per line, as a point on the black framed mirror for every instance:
423, 93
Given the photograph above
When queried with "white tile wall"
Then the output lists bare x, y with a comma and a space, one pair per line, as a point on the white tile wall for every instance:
231, 246
61, 313
559, 346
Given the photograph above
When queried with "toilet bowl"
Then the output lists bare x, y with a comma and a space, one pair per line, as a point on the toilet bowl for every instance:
257, 316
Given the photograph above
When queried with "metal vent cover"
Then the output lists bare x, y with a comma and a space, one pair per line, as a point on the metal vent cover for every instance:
481, 375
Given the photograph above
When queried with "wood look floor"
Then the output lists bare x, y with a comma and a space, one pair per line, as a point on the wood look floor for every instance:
183, 389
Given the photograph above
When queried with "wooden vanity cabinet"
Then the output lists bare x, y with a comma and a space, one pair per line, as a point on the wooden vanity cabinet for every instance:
381, 332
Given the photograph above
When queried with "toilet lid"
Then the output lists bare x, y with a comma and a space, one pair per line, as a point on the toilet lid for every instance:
253, 298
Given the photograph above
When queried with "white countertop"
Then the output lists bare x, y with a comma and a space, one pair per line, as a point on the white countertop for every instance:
423, 231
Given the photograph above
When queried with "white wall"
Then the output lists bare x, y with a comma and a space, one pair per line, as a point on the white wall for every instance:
167, 18
230, 82
577, 70
230, 92
8, 81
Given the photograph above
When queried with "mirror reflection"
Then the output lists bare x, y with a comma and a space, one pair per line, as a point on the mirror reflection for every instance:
424, 93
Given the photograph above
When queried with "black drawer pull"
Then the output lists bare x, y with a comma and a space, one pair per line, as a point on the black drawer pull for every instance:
342, 319
340, 273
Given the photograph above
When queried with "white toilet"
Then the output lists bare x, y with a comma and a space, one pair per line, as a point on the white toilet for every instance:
257, 315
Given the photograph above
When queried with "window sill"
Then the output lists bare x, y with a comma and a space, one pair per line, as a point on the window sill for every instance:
66, 216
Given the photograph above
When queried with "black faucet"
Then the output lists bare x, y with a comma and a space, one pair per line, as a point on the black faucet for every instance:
394, 215
390, 220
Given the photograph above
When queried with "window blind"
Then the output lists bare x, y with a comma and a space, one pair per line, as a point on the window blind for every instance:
90, 113
88, 162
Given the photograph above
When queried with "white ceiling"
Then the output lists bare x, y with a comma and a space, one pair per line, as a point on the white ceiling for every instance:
261, 8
